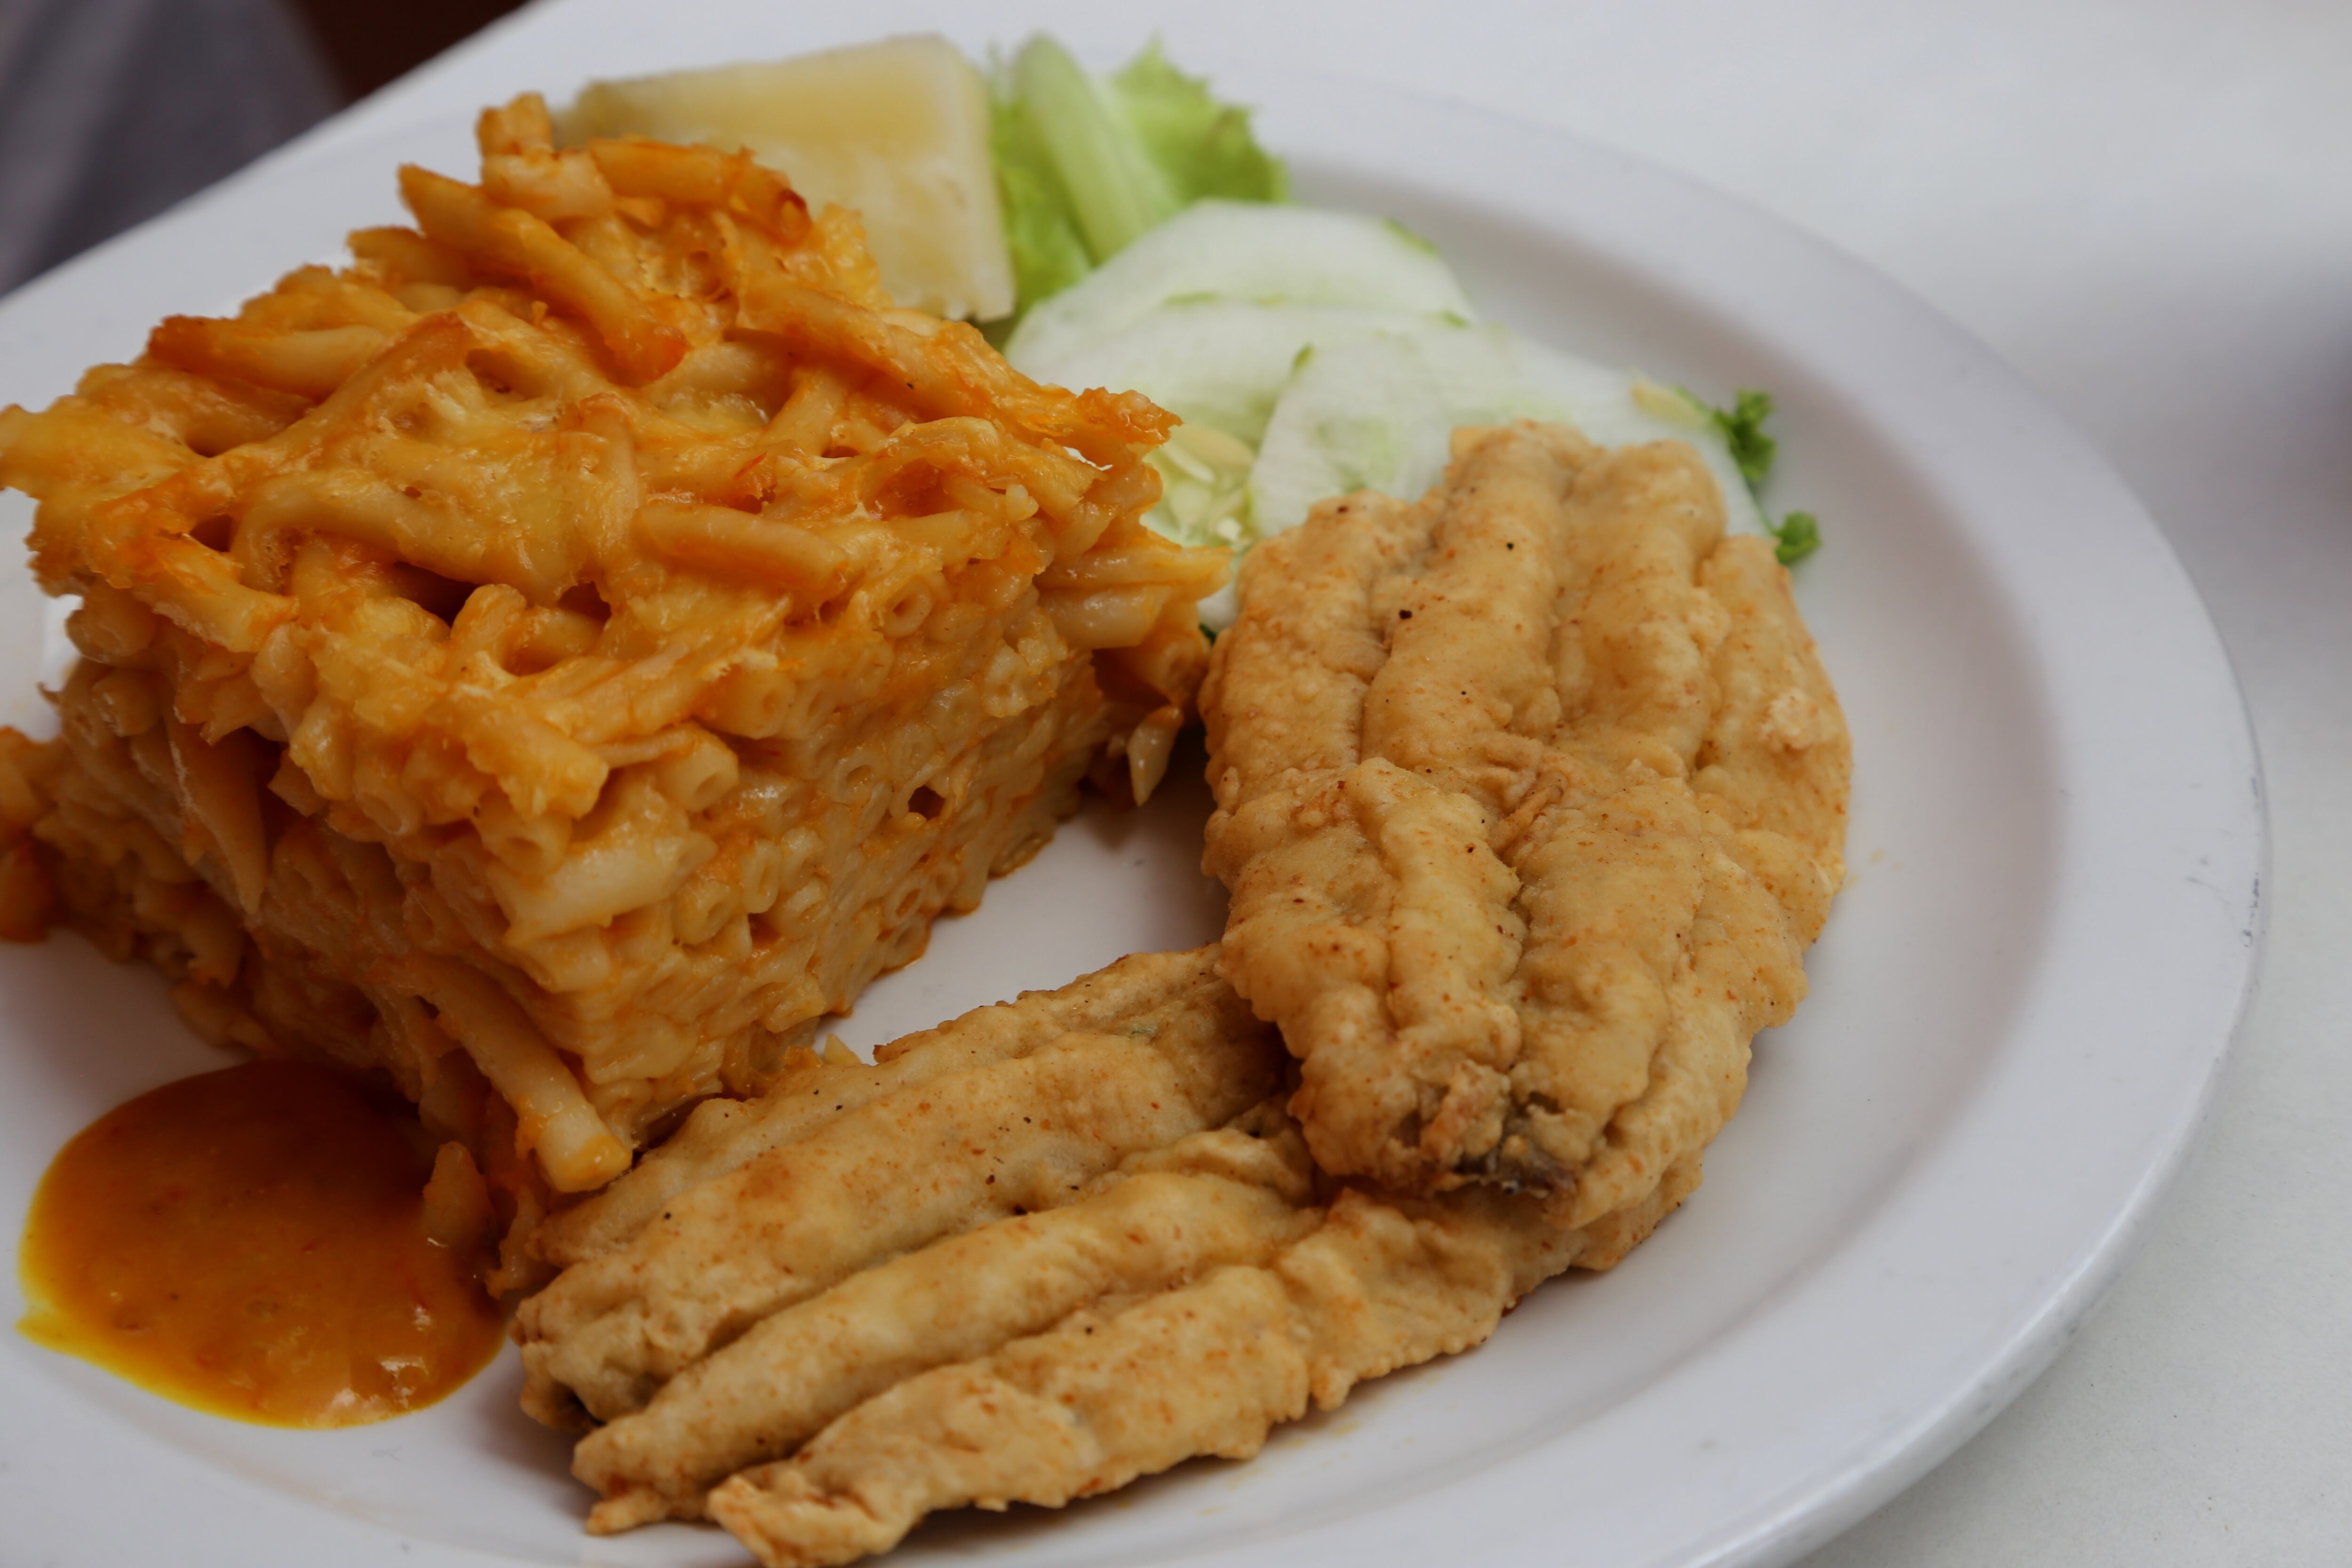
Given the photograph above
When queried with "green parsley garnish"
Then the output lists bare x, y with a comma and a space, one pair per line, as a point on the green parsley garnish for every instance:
1797, 536
1742, 428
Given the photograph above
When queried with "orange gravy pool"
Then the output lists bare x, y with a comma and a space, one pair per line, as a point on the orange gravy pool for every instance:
251, 1242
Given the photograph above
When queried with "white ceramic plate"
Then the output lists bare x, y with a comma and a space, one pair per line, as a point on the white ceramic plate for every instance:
2017, 1009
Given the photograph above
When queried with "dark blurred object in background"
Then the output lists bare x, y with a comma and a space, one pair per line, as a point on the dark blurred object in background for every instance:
112, 110
369, 42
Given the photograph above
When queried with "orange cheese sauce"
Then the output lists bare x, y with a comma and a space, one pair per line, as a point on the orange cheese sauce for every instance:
251, 1243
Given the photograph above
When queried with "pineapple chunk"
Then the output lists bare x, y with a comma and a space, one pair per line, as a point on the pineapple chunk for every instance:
897, 130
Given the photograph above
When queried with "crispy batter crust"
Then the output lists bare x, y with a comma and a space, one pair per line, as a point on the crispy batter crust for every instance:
1530, 796
1178, 1296
785, 1380
972, 1137
1210, 1369
1145, 993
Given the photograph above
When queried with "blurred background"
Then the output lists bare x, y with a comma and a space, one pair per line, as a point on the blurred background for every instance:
112, 110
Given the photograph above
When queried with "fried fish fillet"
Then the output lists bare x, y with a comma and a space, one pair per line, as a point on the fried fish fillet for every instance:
1161, 995
1010, 1111
817, 1376
1114, 1393
1530, 796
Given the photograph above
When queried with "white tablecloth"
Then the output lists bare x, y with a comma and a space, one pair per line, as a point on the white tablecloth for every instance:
2146, 207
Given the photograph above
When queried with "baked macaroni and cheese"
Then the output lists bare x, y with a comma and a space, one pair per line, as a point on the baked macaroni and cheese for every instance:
561, 656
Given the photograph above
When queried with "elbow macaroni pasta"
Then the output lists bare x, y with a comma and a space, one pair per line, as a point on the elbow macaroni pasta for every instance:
560, 657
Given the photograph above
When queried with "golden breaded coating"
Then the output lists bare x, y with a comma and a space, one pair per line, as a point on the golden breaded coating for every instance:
1530, 796
1176, 1293
574, 648
1161, 994
1211, 1369
959, 1298
1016, 1120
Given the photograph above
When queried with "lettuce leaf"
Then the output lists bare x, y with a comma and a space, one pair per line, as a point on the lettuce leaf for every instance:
1113, 188
1086, 164
1202, 147
1049, 254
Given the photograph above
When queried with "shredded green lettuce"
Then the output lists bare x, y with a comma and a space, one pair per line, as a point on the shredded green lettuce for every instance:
1086, 164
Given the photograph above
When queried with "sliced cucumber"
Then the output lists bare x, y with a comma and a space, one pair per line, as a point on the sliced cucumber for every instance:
1248, 252
1377, 414
1358, 416
1216, 363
